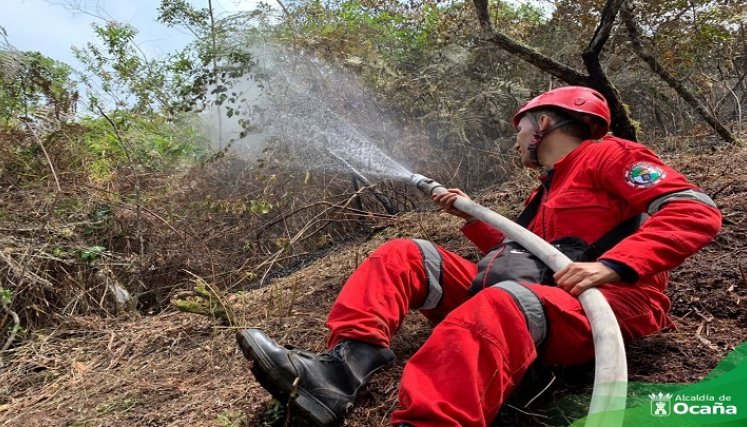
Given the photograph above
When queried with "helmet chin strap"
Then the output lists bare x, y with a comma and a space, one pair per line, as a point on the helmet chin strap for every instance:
540, 135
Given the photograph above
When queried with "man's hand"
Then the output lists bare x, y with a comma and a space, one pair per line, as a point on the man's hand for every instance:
446, 200
580, 276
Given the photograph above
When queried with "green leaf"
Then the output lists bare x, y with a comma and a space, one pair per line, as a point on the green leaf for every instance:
92, 253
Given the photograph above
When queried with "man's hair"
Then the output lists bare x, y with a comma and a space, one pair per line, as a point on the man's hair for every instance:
575, 126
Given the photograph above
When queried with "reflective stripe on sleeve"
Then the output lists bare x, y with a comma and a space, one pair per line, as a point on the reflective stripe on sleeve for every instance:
531, 305
433, 263
694, 195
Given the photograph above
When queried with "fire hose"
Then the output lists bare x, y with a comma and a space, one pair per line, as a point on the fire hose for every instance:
611, 371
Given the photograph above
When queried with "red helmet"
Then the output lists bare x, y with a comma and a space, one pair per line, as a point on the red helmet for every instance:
582, 102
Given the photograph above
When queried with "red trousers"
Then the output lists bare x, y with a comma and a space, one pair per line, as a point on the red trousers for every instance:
480, 347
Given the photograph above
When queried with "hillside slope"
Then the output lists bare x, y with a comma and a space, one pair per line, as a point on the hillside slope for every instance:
182, 369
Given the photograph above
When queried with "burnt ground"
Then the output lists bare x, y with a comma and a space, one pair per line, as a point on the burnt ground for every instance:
177, 368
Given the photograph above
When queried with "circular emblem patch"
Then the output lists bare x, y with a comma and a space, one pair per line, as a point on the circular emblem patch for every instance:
644, 175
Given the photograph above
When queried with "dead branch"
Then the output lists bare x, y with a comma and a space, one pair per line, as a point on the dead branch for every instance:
13, 331
621, 125
344, 208
23, 273
46, 156
636, 43
138, 201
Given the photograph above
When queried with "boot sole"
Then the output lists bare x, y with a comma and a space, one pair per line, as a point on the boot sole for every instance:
267, 374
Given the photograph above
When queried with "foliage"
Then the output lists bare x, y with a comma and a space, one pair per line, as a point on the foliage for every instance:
126, 78
29, 81
700, 42
218, 55
425, 63
153, 142
92, 253
192, 78
6, 296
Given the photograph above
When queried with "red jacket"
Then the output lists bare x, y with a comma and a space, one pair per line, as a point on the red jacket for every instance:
602, 183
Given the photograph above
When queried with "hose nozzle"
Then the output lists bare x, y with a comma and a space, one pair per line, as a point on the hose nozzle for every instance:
425, 184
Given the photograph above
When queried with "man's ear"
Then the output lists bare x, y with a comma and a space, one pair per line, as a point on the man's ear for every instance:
544, 122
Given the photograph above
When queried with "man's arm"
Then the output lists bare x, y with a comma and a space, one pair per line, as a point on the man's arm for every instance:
484, 236
682, 220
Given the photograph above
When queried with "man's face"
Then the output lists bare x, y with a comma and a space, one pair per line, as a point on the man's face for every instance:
525, 132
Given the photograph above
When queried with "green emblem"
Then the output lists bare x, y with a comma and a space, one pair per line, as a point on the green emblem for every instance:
644, 175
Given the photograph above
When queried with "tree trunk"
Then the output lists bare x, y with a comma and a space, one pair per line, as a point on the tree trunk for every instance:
597, 79
622, 126
626, 14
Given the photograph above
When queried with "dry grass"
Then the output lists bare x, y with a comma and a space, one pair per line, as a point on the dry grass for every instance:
175, 368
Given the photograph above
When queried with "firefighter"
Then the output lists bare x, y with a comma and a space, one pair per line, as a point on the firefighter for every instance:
496, 318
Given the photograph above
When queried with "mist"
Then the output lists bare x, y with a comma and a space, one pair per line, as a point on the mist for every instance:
310, 112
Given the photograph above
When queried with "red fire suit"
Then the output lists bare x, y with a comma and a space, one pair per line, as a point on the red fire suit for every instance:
482, 345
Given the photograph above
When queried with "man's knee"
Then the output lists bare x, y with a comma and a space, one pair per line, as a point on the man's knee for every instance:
506, 307
400, 246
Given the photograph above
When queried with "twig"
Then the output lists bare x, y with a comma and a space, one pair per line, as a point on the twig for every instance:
526, 405
294, 292
22, 272
292, 396
344, 208
124, 205
126, 149
46, 155
717, 192
16, 325
533, 414
273, 259
302, 233
707, 317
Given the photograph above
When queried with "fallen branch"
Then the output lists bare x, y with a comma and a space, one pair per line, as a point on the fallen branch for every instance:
14, 330
46, 156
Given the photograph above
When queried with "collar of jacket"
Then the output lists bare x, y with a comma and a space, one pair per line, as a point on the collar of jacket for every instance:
567, 160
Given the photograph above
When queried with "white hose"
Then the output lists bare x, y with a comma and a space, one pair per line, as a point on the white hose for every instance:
611, 369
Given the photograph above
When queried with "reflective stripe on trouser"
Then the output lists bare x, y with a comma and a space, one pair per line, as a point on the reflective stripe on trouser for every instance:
530, 305
433, 268
469, 364
481, 348
477, 355
399, 276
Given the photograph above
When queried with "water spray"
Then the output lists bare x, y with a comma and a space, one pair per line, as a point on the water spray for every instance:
611, 369
347, 164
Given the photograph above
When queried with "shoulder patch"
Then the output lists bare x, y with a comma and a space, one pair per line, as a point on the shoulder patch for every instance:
644, 175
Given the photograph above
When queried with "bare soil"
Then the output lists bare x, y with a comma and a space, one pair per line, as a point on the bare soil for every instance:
175, 368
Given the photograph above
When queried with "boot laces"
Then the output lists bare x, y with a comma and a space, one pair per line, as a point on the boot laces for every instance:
337, 354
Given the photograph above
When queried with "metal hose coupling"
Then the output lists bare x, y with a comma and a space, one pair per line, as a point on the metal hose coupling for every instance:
425, 184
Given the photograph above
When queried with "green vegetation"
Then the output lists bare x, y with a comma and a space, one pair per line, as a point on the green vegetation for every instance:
29, 81
127, 187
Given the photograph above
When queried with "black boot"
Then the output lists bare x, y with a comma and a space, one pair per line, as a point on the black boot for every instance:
327, 382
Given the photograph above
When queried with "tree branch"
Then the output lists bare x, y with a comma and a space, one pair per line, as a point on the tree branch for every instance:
626, 14
602, 33
544, 63
621, 123
524, 52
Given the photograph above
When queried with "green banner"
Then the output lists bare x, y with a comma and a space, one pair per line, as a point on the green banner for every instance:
720, 399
